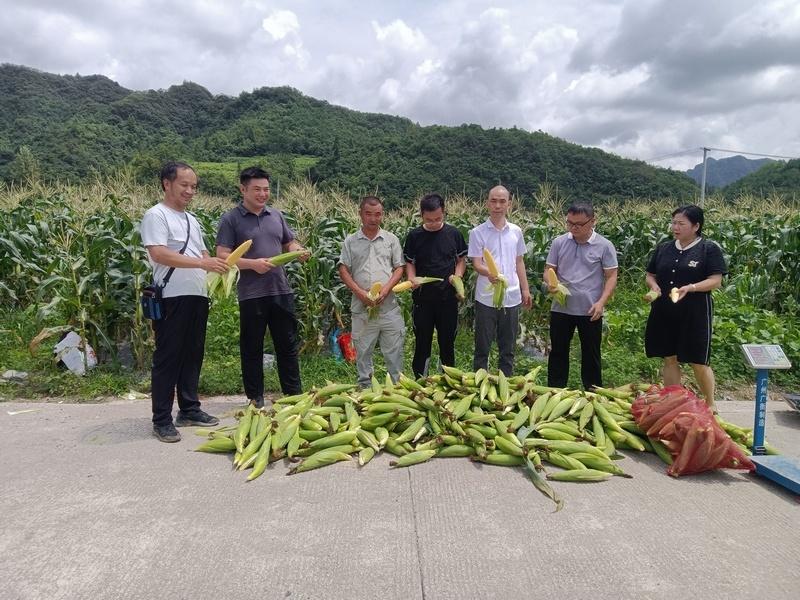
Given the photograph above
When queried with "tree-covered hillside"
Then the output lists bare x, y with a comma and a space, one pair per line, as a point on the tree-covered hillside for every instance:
68, 127
724, 171
778, 177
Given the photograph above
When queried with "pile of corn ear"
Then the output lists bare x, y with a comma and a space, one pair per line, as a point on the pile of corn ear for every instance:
488, 418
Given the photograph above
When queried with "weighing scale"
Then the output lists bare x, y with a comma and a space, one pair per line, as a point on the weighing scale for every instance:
780, 469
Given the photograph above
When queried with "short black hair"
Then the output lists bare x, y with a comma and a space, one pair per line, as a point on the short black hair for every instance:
692, 212
431, 202
170, 171
253, 173
369, 200
581, 208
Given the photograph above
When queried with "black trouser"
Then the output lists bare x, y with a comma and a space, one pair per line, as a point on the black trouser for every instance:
427, 314
180, 345
562, 327
255, 315
495, 324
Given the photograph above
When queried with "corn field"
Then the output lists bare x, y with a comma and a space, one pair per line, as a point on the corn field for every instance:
73, 256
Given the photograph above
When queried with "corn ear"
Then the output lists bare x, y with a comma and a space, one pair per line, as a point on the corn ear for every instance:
240, 251
539, 482
381, 435
413, 458
491, 265
501, 460
262, 459
552, 278
402, 287
661, 450
243, 429
458, 285
600, 464
508, 447
412, 431
565, 461
455, 450
319, 459
373, 294
217, 445
393, 447
561, 292
365, 455
499, 292
286, 257
586, 416
337, 439
579, 475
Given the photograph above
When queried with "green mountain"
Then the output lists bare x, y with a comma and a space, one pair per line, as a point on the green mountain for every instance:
725, 171
775, 178
70, 127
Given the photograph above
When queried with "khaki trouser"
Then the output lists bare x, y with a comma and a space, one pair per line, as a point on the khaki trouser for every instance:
389, 330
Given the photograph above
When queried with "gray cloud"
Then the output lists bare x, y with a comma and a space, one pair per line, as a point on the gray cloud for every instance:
639, 78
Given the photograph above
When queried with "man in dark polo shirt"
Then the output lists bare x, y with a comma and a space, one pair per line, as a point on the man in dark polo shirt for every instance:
434, 249
265, 298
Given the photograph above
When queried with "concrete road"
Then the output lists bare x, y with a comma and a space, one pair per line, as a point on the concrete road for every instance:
93, 507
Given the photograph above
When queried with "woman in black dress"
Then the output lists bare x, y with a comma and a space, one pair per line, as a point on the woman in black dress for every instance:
680, 331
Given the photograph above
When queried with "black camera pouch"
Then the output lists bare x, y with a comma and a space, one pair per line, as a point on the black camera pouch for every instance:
152, 302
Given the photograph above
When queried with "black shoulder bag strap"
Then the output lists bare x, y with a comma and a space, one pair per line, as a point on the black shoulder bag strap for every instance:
186, 243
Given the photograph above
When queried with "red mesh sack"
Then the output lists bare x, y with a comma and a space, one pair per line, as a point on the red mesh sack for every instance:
687, 427
346, 344
705, 446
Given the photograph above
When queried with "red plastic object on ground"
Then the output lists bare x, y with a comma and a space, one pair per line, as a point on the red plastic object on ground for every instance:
346, 344
687, 427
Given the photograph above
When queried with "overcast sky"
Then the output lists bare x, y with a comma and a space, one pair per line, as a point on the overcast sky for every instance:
640, 78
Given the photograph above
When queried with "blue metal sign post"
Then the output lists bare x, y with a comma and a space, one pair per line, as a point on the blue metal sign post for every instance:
762, 376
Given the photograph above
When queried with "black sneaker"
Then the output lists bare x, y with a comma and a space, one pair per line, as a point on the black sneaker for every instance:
258, 402
166, 433
196, 417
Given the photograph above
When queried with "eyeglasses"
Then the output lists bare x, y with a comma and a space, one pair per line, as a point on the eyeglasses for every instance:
574, 225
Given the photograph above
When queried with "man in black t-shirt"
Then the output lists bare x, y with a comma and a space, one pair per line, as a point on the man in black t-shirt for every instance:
435, 249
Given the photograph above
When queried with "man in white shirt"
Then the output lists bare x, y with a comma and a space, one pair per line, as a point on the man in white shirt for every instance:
504, 240
181, 332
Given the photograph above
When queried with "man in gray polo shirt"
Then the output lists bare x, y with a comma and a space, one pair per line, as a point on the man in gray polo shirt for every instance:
265, 298
586, 263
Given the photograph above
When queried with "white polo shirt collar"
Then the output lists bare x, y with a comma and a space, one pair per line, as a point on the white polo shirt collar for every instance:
692, 245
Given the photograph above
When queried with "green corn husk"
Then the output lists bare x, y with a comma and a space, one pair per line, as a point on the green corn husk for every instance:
286, 257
